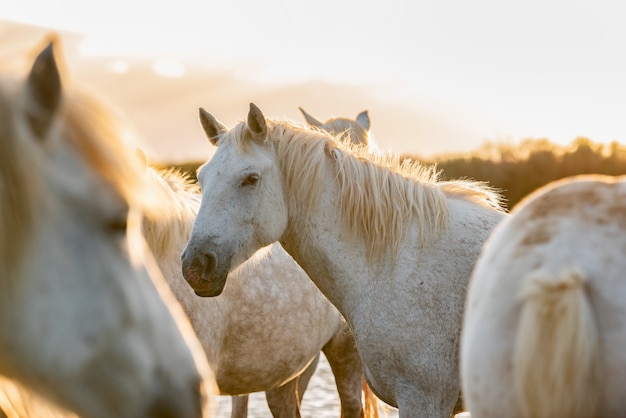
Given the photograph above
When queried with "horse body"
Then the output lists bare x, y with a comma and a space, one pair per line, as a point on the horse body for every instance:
544, 331
395, 264
407, 328
86, 321
269, 324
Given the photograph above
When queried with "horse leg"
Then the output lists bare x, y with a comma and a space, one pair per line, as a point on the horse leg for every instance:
284, 401
280, 400
345, 363
305, 377
239, 406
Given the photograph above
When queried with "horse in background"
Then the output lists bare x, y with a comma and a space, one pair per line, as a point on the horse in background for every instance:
358, 131
544, 333
387, 242
87, 324
266, 330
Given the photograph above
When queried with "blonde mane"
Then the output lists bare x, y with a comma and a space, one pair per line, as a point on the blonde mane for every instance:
84, 125
379, 192
102, 138
173, 221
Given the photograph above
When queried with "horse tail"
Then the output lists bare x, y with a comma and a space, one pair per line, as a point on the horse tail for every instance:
370, 410
556, 354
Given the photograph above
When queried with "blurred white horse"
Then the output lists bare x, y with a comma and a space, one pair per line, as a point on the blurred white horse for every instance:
389, 245
266, 330
545, 325
87, 324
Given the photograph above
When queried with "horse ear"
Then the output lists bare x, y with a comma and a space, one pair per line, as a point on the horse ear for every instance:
141, 158
364, 120
256, 123
212, 127
310, 119
43, 92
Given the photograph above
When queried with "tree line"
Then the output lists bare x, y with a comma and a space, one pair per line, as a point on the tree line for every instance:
516, 169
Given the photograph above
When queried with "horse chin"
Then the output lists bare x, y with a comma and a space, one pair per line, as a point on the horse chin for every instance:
207, 294
209, 288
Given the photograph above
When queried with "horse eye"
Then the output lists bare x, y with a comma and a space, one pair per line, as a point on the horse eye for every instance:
250, 180
117, 225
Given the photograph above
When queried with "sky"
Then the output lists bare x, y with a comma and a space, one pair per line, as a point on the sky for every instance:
495, 70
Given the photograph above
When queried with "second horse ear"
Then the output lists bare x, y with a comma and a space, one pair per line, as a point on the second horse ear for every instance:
363, 119
212, 127
43, 90
310, 119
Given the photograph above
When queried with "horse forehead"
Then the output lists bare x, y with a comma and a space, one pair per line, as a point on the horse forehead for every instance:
231, 160
340, 124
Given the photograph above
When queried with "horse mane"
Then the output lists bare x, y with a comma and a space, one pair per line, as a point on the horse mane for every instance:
87, 127
105, 142
173, 221
379, 192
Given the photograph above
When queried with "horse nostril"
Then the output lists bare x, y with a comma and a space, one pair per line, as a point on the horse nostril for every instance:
197, 267
211, 262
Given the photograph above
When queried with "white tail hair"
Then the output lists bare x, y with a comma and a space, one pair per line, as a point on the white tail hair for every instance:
556, 354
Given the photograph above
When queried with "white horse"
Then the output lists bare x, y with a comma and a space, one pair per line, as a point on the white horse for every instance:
357, 130
266, 330
87, 324
545, 325
390, 246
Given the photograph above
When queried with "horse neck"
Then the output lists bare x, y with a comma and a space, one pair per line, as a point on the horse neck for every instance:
316, 238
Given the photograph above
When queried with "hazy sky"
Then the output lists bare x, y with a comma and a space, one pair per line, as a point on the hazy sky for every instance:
537, 68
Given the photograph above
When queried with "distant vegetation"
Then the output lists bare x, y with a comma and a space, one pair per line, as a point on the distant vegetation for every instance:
518, 169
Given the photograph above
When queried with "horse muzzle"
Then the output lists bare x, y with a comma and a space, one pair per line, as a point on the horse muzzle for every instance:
201, 273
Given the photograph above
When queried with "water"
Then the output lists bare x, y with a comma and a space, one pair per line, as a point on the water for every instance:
320, 400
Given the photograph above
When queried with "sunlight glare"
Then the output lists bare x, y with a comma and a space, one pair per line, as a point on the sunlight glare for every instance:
168, 68
119, 66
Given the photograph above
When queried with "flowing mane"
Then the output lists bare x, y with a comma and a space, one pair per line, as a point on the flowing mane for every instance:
88, 128
104, 141
379, 192
173, 221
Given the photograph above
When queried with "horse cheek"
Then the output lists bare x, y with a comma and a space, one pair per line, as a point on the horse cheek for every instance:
268, 215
